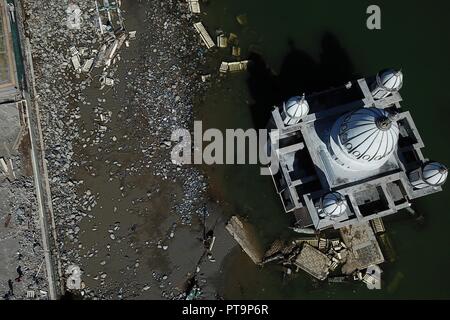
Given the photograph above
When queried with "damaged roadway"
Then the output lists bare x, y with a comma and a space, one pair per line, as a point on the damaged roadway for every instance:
124, 213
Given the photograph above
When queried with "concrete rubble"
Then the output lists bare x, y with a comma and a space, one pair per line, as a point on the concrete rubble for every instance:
245, 235
22, 271
73, 274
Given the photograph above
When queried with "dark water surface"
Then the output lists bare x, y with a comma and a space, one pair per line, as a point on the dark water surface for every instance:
308, 46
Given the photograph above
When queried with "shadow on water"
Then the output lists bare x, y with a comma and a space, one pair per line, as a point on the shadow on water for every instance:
300, 73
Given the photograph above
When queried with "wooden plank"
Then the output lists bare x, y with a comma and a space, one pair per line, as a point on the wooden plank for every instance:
238, 66
313, 262
194, 6
207, 40
223, 67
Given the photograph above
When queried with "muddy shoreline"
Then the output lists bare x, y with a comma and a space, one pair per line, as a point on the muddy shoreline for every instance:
131, 219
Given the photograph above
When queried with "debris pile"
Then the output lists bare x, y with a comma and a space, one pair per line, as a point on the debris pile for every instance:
223, 41
327, 257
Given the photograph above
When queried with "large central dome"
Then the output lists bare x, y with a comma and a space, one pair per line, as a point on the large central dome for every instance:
364, 139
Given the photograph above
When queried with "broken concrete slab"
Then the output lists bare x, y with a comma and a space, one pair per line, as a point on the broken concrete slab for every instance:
242, 19
205, 77
238, 66
223, 67
245, 235
88, 65
222, 41
313, 262
235, 51
106, 81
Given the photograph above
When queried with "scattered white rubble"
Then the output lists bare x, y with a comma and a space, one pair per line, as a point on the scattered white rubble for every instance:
73, 273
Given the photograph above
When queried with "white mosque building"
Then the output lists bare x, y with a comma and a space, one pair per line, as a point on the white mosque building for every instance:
350, 154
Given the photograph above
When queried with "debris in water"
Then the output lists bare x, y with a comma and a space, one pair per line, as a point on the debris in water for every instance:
222, 41
235, 51
194, 6
204, 35
242, 19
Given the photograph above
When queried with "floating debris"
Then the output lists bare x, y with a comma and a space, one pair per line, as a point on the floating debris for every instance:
204, 35
304, 230
242, 19
206, 77
222, 41
238, 66
233, 38
244, 234
194, 6
223, 67
387, 247
236, 51
233, 66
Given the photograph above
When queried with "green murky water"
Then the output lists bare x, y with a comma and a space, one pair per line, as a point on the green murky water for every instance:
414, 37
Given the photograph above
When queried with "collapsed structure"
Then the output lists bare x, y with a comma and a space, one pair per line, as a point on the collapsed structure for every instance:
350, 154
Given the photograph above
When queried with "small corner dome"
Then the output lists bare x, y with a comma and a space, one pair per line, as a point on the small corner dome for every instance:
390, 80
434, 173
296, 107
333, 204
